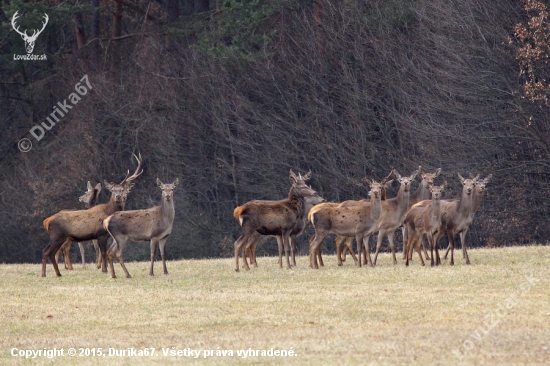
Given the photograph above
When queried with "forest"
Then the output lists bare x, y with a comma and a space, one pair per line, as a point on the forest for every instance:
229, 95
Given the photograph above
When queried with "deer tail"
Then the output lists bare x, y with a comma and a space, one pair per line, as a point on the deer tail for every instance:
238, 214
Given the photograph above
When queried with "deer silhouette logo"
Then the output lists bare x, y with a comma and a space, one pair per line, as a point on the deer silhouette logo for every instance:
29, 40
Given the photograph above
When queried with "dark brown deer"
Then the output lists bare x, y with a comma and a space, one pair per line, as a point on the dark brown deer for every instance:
83, 225
276, 218
89, 199
348, 219
461, 226
309, 202
424, 220
153, 224
393, 213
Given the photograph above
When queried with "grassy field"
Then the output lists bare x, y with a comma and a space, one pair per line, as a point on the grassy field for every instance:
493, 312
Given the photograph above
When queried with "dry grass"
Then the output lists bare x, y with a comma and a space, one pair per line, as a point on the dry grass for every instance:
335, 315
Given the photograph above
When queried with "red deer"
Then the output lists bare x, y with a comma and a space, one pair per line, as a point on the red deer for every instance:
309, 202
90, 200
153, 224
422, 193
462, 227
274, 218
83, 225
350, 218
424, 220
341, 257
393, 213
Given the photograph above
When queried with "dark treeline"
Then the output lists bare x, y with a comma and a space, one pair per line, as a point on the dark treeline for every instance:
229, 95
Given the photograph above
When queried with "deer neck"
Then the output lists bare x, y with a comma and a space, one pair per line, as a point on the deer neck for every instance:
402, 201
466, 204
436, 209
477, 196
167, 209
376, 207
297, 202
422, 193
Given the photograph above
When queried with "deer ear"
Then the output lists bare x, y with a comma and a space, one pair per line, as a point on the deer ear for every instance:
108, 185
388, 183
413, 175
421, 170
396, 173
488, 179
475, 178
308, 175
443, 185
437, 172
159, 183
367, 180
461, 178
89, 186
176, 182
293, 178
98, 188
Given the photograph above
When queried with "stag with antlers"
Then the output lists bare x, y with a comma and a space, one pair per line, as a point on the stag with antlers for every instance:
29, 40
83, 225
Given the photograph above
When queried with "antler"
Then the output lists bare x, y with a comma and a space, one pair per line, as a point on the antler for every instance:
137, 173
35, 34
15, 27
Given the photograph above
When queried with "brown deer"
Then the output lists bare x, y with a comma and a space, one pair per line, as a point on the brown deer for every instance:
153, 224
350, 218
461, 227
424, 220
422, 193
456, 215
309, 202
341, 256
393, 213
273, 218
83, 225
90, 200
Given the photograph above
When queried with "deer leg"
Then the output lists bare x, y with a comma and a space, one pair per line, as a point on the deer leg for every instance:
368, 260
418, 243
280, 245
313, 247
381, 235
66, 250
153, 245
392, 246
447, 251
286, 245
97, 254
437, 259
118, 253
109, 258
424, 248
337, 243
349, 247
404, 233
238, 245
82, 255
463, 242
293, 249
162, 246
102, 242
252, 252
243, 254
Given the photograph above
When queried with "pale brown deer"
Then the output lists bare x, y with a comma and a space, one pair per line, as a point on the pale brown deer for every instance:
422, 193
348, 219
83, 225
338, 240
274, 218
424, 220
153, 224
461, 226
309, 202
393, 213
456, 216
89, 199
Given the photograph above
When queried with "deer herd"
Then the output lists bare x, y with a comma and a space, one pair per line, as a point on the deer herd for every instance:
418, 214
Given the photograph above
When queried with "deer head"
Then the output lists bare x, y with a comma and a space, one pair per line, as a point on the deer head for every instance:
120, 191
429, 177
167, 189
29, 40
437, 191
91, 195
468, 184
405, 181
